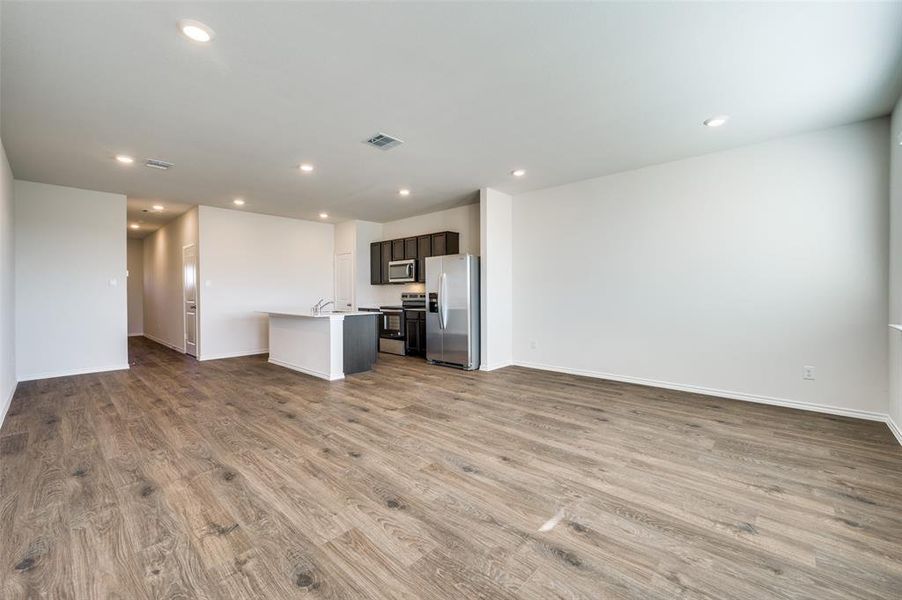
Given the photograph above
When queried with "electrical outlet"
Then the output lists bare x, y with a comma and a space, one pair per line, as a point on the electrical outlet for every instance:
533, 345
808, 372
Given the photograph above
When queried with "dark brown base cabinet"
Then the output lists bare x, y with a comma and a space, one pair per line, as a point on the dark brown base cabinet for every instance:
419, 247
415, 332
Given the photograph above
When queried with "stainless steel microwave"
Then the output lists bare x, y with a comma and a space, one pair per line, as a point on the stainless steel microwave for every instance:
402, 271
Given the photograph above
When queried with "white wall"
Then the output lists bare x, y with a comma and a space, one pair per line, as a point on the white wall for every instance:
7, 287
70, 281
251, 262
135, 290
367, 232
895, 274
164, 317
724, 273
496, 279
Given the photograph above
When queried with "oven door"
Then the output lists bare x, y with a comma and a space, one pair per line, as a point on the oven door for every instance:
391, 332
392, 324
402, 271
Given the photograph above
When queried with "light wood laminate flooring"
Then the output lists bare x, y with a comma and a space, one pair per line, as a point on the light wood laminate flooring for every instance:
239, 479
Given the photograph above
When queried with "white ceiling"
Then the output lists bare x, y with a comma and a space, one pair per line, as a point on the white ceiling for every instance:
566, 91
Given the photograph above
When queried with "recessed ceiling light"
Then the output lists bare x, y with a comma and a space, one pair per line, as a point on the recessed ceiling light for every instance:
404, 192
196, 31
306, 168
134, 226
238, 202
125, 159
717, 121
518, 172
158, 207
323, 215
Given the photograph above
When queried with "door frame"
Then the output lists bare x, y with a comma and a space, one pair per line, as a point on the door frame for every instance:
196, 304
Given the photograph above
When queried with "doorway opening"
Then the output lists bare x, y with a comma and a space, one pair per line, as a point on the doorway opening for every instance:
189, 293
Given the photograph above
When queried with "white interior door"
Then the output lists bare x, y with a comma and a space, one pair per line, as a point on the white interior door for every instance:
344, 281
189, 285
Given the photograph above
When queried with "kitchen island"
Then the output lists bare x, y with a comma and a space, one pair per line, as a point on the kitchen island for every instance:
328, 345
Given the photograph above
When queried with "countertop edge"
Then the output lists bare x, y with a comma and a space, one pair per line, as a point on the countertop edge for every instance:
308, 315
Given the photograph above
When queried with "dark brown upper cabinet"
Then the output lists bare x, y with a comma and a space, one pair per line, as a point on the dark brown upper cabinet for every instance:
439, 241
386, 258
410, 248
445, 243
397, 249
419, 248
376, 263
424, 250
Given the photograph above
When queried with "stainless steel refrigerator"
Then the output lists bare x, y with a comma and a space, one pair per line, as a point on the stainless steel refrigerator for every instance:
452, 310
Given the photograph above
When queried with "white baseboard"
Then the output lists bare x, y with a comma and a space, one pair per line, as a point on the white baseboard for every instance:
821, 408
70, 372
136, 334
8, 402
293, 367
500, 365
893, 427
164, 343
235, 354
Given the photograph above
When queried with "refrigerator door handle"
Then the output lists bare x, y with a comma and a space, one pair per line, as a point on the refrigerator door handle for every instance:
439, 302
443, 294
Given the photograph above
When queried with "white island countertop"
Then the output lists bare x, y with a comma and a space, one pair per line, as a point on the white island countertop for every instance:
321, 315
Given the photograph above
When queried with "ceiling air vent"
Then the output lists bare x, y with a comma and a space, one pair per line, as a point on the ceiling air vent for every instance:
383, 141
158, 164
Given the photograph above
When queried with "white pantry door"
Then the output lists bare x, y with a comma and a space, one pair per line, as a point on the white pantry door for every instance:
344, 281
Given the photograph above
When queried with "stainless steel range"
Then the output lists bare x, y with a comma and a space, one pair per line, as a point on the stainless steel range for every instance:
391, 330
413, 300
400, 325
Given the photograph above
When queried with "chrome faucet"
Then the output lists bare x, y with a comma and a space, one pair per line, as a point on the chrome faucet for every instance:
319, 306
